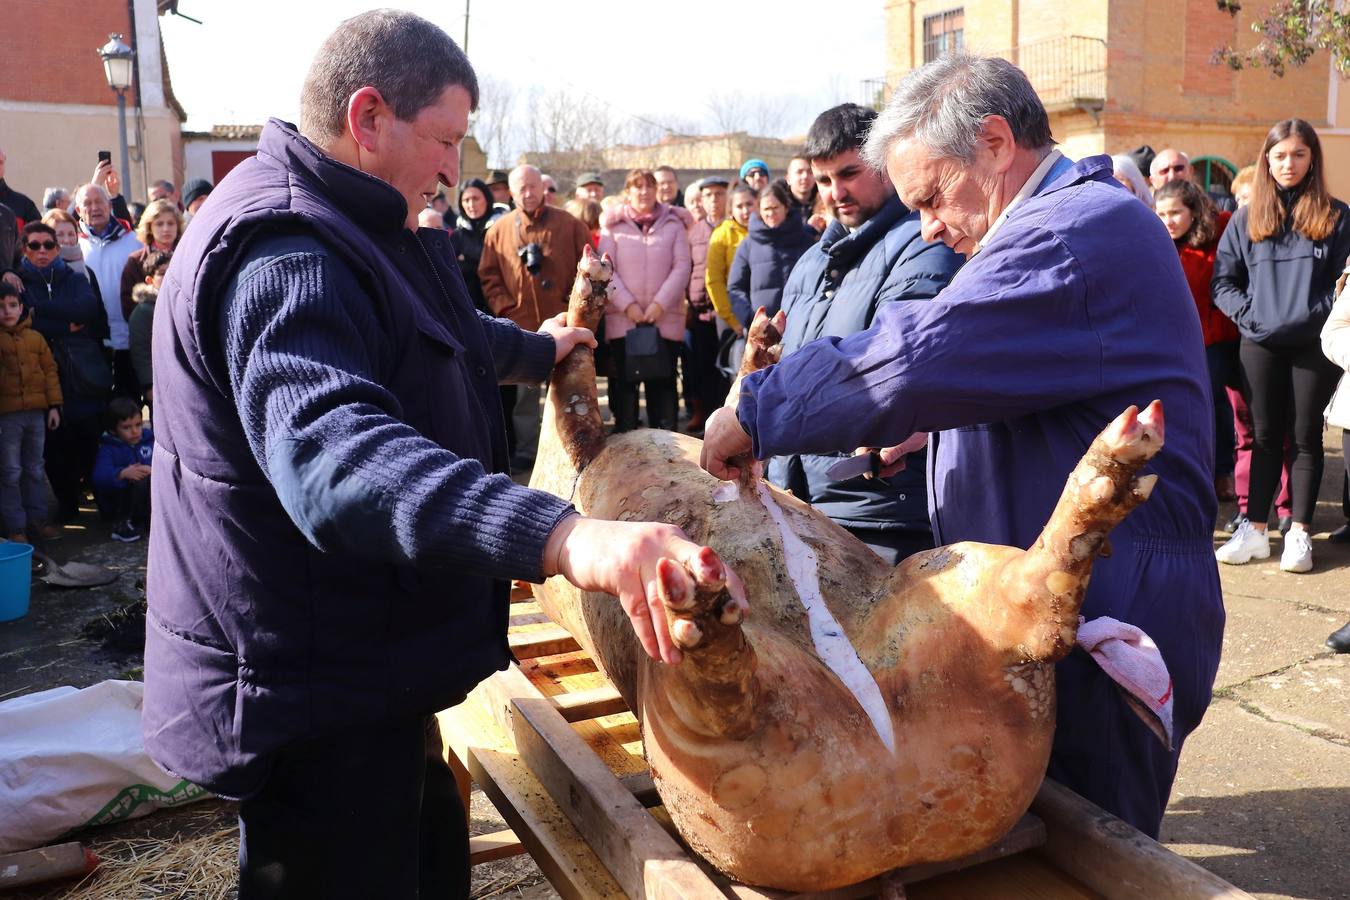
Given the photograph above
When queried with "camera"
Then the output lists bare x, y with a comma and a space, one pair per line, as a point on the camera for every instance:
532, 255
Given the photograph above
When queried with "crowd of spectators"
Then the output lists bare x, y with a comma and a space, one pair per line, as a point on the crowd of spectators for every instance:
1261, 254
82, 274
692, 266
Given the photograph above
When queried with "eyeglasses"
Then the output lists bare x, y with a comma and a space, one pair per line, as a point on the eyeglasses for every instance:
40, 245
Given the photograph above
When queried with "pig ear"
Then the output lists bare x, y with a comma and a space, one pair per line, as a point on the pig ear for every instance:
586, 254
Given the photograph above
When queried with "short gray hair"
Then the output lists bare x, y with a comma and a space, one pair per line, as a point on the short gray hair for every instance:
409, 60
943, 105
89, 189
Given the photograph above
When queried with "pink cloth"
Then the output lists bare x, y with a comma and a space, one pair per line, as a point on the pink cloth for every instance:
650, 266
1134, 663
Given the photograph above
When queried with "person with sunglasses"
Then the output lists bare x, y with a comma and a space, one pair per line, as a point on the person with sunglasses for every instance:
72, 319
1171, 165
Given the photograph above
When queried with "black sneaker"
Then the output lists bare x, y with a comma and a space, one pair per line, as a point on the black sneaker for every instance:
1232, 524
126, 532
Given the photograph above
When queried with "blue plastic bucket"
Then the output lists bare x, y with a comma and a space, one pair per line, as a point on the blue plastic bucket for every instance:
16, 579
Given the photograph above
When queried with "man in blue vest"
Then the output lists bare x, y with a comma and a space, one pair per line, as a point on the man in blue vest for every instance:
1073, 306
333, 528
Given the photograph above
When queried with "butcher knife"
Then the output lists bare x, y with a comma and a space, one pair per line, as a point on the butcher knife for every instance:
853, 466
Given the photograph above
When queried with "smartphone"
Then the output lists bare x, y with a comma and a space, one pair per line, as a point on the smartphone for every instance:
105, 156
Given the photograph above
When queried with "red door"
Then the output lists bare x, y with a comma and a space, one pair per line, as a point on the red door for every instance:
222, 161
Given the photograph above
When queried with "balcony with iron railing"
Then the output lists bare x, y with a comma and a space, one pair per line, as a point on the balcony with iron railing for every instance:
1067, 72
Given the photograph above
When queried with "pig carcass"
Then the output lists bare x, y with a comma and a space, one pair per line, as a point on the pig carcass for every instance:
859, 717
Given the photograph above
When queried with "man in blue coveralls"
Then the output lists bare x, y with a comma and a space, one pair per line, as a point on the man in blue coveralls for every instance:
1073, 306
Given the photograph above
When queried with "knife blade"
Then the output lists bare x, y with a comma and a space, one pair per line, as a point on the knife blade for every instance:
853, 466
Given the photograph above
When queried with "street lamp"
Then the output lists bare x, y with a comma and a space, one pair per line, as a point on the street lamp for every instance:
117, 63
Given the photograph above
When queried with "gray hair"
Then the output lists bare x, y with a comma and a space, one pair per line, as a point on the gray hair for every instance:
1125, 167
409, 60
943, 105
52, 196
89, 189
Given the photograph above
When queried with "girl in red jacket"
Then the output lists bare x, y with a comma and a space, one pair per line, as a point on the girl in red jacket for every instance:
1195, 226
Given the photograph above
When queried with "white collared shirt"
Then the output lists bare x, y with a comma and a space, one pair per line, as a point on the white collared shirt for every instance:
1028, 188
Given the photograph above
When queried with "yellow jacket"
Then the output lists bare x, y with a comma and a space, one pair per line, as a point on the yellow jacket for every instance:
726, 237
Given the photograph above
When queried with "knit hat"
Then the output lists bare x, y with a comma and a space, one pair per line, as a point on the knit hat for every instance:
751, 164
197, 187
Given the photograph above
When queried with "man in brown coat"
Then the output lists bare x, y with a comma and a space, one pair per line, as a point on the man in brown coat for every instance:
528, 265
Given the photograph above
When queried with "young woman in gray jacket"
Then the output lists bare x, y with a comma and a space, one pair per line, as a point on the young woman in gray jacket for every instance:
1274, 276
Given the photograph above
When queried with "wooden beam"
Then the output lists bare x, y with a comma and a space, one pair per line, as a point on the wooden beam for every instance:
542, 642
645, 860
45, 864
601, 701
570, 866
497, 845
1115, 859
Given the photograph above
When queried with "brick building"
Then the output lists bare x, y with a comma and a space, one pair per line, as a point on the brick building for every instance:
1115, 74
56, 109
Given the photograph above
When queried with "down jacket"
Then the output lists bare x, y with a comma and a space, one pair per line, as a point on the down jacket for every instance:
650, 265
762, 263
28, 376
835, 290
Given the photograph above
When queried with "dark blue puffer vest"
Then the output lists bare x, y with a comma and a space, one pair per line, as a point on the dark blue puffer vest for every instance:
256, 638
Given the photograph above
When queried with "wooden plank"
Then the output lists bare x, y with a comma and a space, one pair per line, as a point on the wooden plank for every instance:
1115, 859
645, 860
497, 845
560, 852
1025, 876
45, 864
541, 642
589, 704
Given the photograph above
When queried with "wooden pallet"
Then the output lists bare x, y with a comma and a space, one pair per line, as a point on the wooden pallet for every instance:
554, 747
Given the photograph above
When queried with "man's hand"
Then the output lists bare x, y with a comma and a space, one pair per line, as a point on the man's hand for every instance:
726, 446
565, 336
53, 419
105, 176
134, 472
620, 558
653, 314
893, 458
635, 314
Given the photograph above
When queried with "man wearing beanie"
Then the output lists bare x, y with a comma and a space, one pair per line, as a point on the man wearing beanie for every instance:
755, 174
195, 193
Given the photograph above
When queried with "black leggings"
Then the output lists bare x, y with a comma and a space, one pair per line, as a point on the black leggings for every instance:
1273, 375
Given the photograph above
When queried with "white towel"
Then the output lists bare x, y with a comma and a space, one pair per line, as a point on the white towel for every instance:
1135, 664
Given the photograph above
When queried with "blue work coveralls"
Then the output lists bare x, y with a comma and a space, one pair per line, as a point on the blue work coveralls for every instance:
1076, 309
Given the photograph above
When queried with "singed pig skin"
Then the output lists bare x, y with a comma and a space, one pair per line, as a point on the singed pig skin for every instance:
766, 760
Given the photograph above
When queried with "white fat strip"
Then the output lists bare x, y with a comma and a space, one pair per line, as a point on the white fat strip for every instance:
726, 491
832, 645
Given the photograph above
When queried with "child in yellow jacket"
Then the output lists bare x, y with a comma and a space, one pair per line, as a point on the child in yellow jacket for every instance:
726, 237
30, 404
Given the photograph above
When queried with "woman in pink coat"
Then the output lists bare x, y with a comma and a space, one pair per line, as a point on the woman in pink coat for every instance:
647, 242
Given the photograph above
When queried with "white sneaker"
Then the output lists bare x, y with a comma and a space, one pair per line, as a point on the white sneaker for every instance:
1245, 545
1297, 555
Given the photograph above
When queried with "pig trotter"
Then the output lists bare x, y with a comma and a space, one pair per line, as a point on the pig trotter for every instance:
1052, 577
717, 674
574, 403
763, 348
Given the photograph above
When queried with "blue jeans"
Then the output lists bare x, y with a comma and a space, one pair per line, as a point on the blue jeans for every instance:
23, 486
